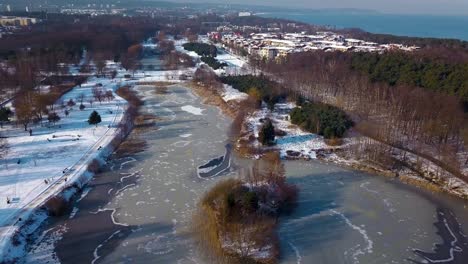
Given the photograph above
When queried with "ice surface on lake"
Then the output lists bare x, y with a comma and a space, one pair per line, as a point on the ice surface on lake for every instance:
193, 110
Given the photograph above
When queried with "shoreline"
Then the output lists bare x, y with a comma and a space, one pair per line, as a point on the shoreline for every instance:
214, 98
106, 185
15, 242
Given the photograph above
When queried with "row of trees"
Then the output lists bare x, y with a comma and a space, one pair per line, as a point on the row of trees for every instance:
34, 107
43, 54
49, 49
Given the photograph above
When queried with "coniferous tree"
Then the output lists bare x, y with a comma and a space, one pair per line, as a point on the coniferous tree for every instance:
266, 136
5, 114
94, 118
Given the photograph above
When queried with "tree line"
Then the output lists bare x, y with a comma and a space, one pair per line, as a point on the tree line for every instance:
409, 117
202, 49
400, 68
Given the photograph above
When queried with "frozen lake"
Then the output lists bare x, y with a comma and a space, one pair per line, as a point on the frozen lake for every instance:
139, 210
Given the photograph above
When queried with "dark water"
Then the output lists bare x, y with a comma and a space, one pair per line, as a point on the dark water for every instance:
403, 25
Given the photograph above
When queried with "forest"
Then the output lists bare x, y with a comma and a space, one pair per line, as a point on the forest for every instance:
399, 68
213, 62
202, 49
207, 52
42, 55
322, 119
416, 119
261, 87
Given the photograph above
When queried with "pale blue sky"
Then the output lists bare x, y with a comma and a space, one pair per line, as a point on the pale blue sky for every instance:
440, 7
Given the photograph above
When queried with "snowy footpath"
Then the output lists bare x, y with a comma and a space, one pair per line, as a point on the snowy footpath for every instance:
56, 156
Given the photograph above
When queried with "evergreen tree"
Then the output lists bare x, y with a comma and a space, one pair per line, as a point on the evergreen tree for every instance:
5, 114
94, 118
267, 133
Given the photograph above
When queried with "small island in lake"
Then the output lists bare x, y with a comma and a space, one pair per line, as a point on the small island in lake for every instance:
236, 220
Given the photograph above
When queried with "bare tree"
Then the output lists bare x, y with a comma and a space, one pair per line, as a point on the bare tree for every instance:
24, 114
4, 148
98, 94
81, 98
109, 95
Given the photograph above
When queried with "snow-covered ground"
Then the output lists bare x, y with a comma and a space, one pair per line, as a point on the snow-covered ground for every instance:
230, 59
57, 156
192, 110
231, 94
163, 76
297, 141
45, 163
178, 44
236, 64
300, 144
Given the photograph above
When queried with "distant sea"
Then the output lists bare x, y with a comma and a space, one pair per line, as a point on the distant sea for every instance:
455, 27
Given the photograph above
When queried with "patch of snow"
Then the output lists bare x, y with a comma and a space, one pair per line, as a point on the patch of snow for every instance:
296, 140
55, 156
231, 94
193, 110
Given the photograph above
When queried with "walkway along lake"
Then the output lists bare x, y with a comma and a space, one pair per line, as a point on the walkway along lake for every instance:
139, 209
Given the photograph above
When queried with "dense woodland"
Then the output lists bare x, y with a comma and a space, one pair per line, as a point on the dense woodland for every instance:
428, 119
213, 62
202, 49
322, 119
260, 87
399, 68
